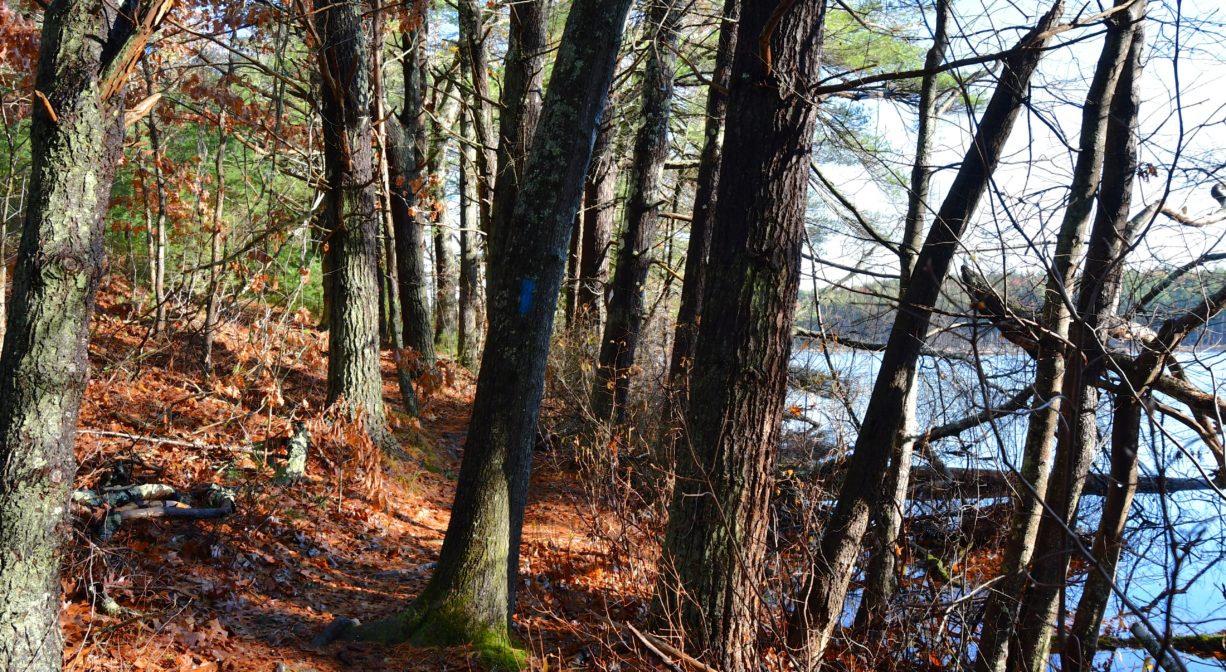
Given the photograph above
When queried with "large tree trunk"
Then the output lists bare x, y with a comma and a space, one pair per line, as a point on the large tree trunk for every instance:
469, 597
1001, 612
879, 582
685, 335
407, 164
611, 389
599, 209
349, 215
468, 345
75, 140
523, 72
716, 536
821, 599
1096, 301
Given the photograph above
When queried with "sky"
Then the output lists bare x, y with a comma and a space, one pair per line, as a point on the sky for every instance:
1038, 161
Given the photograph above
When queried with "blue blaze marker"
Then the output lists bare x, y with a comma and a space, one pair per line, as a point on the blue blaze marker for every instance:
527, 294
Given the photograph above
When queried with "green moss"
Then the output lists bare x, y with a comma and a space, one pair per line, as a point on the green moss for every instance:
440, 626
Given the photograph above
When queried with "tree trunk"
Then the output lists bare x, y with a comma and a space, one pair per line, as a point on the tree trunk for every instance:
1001, 611
349, 215
879, 582
385, 128
407, 165
75, 140
470, 596
468, 345
716, 536
157, 228
523, 71
212, 311
685, 334
1130, 404
571, 297
1096, 301
599, 208
611, 389
820, 602
445, 273
475, 64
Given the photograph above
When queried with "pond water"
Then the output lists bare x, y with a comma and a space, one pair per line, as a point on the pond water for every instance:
1177, 576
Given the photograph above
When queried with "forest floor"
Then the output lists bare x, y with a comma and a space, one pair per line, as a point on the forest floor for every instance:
357, 537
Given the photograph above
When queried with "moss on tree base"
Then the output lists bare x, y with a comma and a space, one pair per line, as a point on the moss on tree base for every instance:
438, 625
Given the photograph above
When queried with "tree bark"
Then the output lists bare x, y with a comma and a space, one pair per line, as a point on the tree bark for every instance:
408, 163
349, 215
618, 345
716, 536
470, 596
446, 279
1001, 612
1096, 301
212, 310
685, 334
475, 63
468, 345
523, 72
879, 582
599, 209
75, 141
820, 601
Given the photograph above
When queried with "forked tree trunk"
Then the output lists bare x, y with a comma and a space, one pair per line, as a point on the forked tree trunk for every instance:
1096, 301
709, 588
820, 601
685, 334
599, 209
618, 345
348, 214
468, 599
1001, 612
76, 138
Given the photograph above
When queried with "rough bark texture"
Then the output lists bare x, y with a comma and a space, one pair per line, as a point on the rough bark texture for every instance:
599, 208
1001, 612
685, 335
76, 139
469, 597
407, 164
1096, 300
348, 214
709, 587
821, 599
611, 389
523, 72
